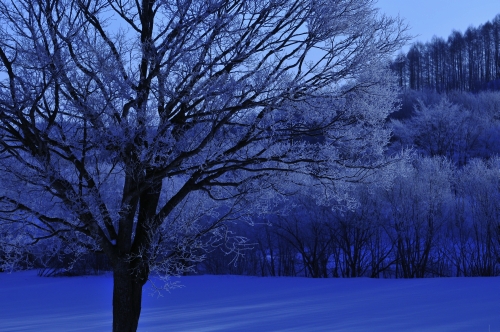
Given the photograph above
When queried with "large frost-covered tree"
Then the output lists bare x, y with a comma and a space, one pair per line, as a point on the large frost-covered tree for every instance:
124, 123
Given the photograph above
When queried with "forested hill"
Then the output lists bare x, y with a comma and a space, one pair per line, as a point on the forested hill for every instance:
467, 61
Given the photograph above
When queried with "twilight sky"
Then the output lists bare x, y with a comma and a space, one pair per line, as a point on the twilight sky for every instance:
439, 17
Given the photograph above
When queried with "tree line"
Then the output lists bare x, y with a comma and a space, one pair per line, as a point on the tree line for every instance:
468, 61
433, 220
434, 213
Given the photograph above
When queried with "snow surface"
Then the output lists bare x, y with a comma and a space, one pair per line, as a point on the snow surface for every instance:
235, 303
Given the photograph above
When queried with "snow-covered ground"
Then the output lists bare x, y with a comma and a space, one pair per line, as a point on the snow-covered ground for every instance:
234, 303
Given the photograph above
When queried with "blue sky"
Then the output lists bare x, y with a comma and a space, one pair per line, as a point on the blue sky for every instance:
439, 17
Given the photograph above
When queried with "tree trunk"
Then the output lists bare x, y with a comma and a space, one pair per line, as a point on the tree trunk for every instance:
127, 298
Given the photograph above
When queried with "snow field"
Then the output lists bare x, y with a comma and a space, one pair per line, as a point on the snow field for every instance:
236, 303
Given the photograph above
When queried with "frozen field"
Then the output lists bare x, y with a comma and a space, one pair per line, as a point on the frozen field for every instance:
232, 303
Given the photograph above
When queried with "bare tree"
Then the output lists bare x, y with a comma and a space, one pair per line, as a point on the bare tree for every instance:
476, 231
123, 123
419, 198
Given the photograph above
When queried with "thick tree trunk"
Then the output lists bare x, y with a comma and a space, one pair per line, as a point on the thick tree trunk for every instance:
127, 298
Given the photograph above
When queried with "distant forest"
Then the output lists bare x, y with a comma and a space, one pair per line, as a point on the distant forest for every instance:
467, 61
